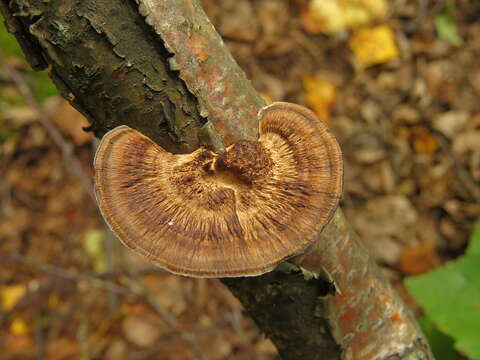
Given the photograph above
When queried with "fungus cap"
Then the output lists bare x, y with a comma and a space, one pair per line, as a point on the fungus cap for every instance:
239, 213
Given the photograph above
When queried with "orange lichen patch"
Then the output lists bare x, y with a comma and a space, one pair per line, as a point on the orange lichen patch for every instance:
198, 48
397, 317
349, 319
238, 213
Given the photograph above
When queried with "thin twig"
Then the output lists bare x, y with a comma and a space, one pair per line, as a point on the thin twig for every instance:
96, 280
71, 162
63, 273
462, 173
188, 337
69, 275
109, 257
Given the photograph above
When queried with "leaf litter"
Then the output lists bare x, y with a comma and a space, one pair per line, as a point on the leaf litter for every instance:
408, 123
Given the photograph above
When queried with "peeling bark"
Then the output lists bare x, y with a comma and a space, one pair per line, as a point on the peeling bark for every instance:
108, 63
160, 67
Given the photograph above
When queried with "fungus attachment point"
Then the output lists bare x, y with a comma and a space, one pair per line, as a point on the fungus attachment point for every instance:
239, 213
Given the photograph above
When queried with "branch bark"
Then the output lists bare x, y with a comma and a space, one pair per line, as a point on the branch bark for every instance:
160, 67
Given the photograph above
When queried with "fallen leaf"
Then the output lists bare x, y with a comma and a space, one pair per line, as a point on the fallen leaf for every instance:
62, 349
329, 16
366, 148
11, 294
140, 331
446, 27
20, 115
386, 216
18, 345
320, 95
239, 22
466, 141
116, 350
71, 123
451, 123
374, 46
424, 142
53, 301
18, 327
418, 259
93, 245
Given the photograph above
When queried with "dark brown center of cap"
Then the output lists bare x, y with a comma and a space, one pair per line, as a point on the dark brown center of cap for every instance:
248, 160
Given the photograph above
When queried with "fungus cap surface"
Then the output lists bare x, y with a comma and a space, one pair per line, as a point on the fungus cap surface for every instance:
239, 213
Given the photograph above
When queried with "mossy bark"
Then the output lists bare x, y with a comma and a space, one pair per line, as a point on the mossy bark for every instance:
160, 67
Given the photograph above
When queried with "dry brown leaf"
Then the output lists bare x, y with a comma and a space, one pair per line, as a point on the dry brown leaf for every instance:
21, 346
141, 331
466, 141
407, 114
392, 215
71, 123
238, 21
418, 259
20, 115
423, 141
62, 348
385, 249
116, 350
450, 123
366, 148
453, 233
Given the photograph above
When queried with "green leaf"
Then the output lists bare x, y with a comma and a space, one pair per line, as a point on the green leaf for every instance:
9, 44
474, 243
450, 297
441, 344
93, 245
446, 27
42, 85
7, 135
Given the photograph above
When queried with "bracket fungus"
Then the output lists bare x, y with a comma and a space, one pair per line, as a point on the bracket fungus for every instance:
239, 213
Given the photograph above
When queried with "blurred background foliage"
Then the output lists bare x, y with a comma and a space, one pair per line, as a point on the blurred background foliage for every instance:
398, 82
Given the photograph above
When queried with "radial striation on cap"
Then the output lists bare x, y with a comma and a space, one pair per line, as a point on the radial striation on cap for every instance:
239, 213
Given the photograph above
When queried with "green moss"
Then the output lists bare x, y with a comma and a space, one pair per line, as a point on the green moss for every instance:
42, 85
8, 44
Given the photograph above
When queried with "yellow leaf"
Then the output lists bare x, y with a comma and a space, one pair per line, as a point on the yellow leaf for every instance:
320, 95
53, 301
18, 327
329, 16
11, 294
374, 45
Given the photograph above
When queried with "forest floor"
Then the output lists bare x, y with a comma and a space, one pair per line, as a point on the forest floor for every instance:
408, 124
